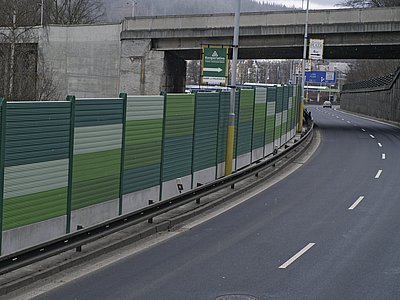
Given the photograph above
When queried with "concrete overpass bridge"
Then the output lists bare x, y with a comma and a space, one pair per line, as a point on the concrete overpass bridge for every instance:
348, 34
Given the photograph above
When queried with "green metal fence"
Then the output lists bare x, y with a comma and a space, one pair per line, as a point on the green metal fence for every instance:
73, 159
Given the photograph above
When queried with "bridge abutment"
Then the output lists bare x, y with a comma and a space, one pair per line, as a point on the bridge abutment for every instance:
175, 73
147, 72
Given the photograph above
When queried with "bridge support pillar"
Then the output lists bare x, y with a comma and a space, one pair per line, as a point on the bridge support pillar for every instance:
175, 73
147, 72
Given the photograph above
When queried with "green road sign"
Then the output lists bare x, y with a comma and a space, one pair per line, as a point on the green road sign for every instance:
214, 66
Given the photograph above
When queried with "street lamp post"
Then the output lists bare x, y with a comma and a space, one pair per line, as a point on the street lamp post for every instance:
231, 121
133, 7
303, 78
41, 13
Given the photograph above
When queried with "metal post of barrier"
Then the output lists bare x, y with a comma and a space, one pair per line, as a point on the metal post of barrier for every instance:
72, 100
123, 96
3, 105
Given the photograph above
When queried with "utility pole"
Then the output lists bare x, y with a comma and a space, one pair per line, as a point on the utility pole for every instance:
231, 120
303, 78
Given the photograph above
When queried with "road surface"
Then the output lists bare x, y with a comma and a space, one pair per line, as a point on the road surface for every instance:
330, 230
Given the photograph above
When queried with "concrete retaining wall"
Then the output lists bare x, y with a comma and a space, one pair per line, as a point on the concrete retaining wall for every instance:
382, 103
82, 60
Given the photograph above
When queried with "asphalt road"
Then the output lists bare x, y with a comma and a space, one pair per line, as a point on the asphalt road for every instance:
330, 230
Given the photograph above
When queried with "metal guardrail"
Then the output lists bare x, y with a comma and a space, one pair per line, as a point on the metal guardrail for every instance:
79, 238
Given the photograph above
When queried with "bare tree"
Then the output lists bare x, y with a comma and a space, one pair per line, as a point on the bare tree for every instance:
366, 69
23, 77
17, 17
193, 72
369, 3
73, 11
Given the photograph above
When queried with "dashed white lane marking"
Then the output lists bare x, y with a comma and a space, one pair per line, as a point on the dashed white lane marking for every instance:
363, 129
372, 137
349, 122
342, 119
297, 255
380, 145
383, 156
337, 117
378, 174
361, 198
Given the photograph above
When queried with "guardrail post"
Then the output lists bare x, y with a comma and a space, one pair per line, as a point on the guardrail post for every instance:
79, 248
198, 200
150, 220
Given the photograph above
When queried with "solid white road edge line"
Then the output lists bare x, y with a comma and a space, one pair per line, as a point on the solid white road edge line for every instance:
369, 119
378, 174
361, 198
383, 156
296, 256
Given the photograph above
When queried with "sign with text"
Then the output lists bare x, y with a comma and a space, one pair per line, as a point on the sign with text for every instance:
321, 77
316, 49
214, 66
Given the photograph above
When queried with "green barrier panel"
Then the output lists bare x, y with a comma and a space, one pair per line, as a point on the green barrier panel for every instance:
97, 151
143, 142
206, 131
279, 116
294, 95
270, 120
245, 122
290, 111
259, 118
36, 162
178, 136
285, 114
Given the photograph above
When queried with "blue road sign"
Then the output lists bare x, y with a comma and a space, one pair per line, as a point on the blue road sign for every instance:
328, 77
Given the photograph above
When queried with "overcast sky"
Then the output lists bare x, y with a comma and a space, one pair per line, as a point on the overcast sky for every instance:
314, 4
